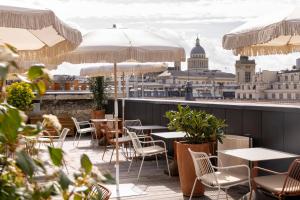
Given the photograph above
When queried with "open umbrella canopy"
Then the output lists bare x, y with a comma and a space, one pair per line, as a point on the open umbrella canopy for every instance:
273, 34
115, 45
129, 68
37, 34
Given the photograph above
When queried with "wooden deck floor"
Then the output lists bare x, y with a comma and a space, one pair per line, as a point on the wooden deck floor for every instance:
153, 182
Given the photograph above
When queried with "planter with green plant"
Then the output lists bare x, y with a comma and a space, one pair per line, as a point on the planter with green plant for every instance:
97, 87
202, 130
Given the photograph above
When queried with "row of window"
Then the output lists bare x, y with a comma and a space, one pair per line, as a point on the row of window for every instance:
273, 96
292, 77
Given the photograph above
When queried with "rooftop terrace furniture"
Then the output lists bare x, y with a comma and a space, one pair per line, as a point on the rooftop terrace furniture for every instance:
278, 184
51, 139
84, 127
216, 177
234, 142
99, 192
152, 149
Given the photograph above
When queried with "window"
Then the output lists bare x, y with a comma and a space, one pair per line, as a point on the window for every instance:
250, 96
280, 96
286, 78
289, 96
295, 86
247, 77
271, 86
273, 95
292, 77
286, 86
279, 86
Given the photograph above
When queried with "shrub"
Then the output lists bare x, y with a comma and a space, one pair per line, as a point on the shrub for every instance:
20, 95
200, 127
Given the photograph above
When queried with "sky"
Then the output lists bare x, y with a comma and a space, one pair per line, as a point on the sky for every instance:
183, 19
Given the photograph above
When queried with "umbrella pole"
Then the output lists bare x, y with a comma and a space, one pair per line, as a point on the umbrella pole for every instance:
116, 130
142, 85
123, 100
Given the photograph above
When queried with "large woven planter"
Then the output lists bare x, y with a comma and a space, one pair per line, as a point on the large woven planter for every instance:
186, 168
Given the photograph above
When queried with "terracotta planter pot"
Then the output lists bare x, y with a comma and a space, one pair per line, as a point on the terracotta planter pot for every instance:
98, 114
186, 168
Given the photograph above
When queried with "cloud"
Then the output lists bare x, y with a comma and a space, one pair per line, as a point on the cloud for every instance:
183, 19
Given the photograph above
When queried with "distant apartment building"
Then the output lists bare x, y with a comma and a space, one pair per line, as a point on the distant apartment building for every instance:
269, 85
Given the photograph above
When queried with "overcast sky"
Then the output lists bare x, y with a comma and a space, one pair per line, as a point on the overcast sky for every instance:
210, 19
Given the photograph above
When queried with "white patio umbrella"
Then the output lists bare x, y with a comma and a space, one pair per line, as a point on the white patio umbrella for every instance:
277, 33
127, 68
37, 34
116, 45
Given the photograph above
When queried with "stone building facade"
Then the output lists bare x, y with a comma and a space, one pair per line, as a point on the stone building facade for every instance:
270, 85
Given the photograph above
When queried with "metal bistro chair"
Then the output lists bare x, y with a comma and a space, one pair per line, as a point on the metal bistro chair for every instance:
89, 129
221, 179
151, 149
99, 192
278, 184
135, 122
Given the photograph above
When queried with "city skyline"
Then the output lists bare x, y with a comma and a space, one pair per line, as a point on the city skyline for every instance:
183, 19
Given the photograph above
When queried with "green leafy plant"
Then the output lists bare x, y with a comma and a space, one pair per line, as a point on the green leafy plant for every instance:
200, 127
97, 87
18, 169
20, 95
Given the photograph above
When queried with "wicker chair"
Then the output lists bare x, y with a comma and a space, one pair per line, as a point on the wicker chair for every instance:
99, 192
279, 185
221, 179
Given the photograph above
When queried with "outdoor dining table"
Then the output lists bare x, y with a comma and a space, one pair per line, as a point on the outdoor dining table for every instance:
147, 128
254, 155
170, 138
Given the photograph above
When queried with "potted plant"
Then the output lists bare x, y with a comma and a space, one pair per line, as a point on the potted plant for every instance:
202, 131
20, 95
97, 87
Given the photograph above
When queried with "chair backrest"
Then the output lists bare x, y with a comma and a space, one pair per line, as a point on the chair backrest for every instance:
62, 137
99, 192
234, 142
292, 182
203, 165
135, 141
135, 122
76, 123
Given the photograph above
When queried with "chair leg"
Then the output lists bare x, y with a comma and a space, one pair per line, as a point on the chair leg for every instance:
112, 154
105, 148
226, 193
78, 139
194, 185
65, 165
130, 164
219, 190
96, 138
251, 193
75, 138
156, 161
141, 168
167, 160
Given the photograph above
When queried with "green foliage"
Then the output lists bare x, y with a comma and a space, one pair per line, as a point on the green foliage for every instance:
18, 170
200, 127
20, 95
97, 87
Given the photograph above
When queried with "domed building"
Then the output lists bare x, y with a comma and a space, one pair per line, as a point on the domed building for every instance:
198, 60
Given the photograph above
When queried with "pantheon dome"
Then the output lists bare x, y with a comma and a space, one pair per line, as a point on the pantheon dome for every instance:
197, 60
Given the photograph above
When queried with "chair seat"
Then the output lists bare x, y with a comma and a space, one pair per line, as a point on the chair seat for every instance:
151, 150
272, 183
121, 140
224, 178
44, 140
86, 130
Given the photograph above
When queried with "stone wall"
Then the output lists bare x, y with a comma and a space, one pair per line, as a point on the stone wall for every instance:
79, 108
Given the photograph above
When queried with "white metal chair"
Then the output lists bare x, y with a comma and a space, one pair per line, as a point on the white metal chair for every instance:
216, 177
152, 149
90, 128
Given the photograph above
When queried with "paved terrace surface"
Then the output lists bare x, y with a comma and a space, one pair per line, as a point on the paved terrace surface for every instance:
153, 182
